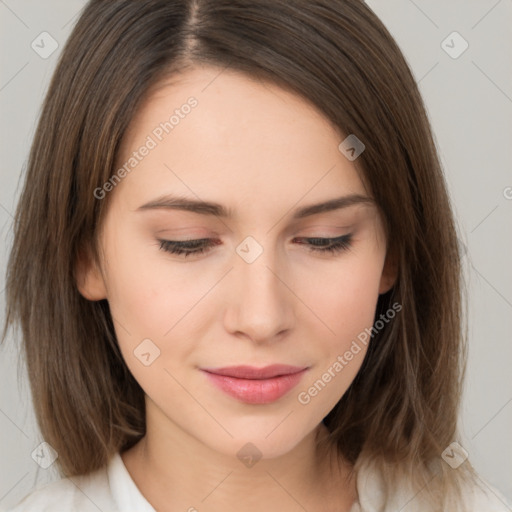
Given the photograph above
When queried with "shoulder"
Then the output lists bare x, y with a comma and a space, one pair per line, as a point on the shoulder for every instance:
82, 493
109, 489
483, 496
478, 496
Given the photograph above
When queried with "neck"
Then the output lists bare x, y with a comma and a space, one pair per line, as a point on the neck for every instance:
176, 472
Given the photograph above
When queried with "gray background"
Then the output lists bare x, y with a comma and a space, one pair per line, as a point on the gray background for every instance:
469, 103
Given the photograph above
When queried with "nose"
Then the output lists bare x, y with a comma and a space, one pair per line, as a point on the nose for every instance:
260, 307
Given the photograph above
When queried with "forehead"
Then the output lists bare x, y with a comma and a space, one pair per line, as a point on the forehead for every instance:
243, 140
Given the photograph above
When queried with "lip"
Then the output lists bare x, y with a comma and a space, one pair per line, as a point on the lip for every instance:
256, 385
252, 372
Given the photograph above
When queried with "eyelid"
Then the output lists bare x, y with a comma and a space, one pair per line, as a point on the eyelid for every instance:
320, 245
327, 226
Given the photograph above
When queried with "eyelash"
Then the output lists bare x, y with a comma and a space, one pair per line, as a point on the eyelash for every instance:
199, 246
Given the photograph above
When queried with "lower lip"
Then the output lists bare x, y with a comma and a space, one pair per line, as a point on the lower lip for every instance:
252, 391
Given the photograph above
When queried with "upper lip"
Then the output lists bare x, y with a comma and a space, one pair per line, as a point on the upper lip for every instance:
252, 372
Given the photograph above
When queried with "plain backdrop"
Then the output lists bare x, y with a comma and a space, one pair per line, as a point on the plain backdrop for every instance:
468, 95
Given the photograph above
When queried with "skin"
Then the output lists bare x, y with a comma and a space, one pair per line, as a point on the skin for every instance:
262, 152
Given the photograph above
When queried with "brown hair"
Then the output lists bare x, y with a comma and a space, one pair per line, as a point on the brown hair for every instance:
401, 410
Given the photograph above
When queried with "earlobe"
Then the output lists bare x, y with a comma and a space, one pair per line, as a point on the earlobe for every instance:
389, 273
89, 280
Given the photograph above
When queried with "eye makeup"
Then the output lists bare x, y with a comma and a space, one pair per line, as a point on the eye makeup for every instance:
204, 245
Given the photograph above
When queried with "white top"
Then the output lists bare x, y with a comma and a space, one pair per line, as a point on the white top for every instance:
111, 489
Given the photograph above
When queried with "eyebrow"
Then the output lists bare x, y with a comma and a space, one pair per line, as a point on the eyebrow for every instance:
218, 210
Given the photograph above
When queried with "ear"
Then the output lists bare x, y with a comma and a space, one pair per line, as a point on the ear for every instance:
389, 272
89, 280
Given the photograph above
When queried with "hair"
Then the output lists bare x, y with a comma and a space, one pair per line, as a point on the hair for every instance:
401, 410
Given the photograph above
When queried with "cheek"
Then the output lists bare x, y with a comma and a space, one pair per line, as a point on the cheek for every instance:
147, 293
154, 307
345, 297
152, 304
142, 299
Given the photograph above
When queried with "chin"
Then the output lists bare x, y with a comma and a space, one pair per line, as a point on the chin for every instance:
268, 438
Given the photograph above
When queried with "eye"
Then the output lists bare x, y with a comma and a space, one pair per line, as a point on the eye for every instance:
187, 247
327, 245
202, 245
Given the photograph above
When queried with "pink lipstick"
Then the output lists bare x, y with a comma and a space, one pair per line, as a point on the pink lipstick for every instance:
256, 385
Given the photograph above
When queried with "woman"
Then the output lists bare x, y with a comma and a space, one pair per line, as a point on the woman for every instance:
236, 269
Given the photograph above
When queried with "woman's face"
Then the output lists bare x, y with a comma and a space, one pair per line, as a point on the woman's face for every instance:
261, 292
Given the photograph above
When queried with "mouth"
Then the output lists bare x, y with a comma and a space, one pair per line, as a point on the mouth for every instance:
253, 385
